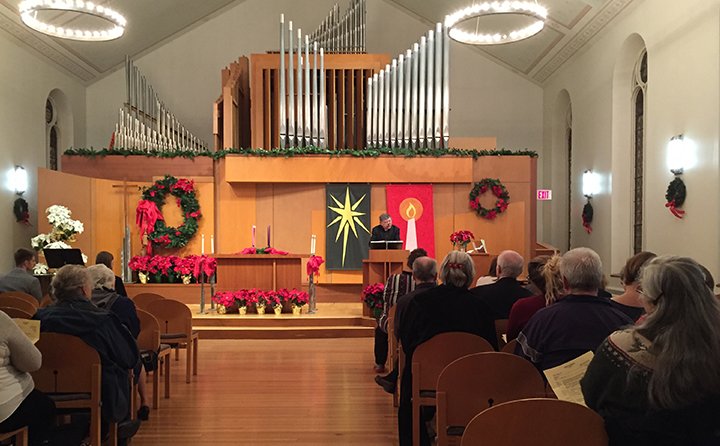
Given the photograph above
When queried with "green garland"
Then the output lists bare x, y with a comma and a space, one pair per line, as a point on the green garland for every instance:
184, 191
299, 151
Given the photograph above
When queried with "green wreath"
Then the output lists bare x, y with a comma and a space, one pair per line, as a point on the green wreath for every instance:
675, 197
184, 192
498, 189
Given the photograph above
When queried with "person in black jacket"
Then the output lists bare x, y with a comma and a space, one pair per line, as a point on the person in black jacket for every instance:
105, 258
506, 290
445, 308
385, 231
75, 315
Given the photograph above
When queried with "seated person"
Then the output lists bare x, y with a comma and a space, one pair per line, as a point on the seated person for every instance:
629, 301
20, 403
501, 295
385, 231
525, 308
491, 275
657, 383
447, 307
397, 285
74, 314
105, 258
20, 278
577, 322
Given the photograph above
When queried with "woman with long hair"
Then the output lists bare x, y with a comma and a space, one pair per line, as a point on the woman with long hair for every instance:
658, 383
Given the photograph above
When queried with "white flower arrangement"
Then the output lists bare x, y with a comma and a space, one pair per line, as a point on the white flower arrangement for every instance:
40, 269
64, 230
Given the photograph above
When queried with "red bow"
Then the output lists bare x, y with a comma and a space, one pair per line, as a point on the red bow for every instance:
204, 264
313, 265
586, 224
146, 215
675, 211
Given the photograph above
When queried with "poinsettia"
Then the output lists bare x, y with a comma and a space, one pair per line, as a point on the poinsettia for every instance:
462, 237
139, 263
372, 295
224, 298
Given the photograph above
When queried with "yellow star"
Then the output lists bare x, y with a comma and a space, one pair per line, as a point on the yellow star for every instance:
347, 216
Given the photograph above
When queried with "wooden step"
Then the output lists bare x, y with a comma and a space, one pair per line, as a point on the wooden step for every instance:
282, 321
278, 332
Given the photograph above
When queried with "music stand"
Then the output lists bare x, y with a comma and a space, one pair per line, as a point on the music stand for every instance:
57, 258
386, 244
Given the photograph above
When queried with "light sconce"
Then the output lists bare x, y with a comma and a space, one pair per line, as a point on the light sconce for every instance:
677, 154
590, 183
18, 180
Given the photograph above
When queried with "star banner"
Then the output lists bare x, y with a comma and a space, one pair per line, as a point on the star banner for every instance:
348, 225
411, 209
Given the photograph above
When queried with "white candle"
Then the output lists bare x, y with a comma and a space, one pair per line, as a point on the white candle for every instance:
411, 238
253, 236
212, 244
312, 244
202, 244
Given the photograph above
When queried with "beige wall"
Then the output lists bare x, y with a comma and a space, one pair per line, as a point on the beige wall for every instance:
26, 80
682, 40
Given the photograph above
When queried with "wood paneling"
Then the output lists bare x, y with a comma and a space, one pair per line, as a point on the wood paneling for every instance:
136, 167
469, 143
266, 272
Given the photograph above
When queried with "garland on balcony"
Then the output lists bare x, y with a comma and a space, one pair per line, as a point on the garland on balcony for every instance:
149, 212
300, 151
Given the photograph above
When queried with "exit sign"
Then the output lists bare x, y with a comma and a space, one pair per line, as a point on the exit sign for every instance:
544, 194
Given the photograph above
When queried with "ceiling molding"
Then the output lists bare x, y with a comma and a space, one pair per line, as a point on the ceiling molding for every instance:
581, 38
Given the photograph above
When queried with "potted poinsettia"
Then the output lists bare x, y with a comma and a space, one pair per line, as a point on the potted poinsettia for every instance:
461, 238
297, 299
183, 268
372, 295
141, 265
273, 299
224, 300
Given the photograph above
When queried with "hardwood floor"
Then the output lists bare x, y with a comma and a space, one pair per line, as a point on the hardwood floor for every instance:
275, 392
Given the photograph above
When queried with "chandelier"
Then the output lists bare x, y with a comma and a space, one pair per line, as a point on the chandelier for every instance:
31, 11
486, 9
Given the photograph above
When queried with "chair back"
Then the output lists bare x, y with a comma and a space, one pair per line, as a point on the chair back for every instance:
16, 313
19, 303
536, 421
174, 317
510, 347
433, 355
473, 383
69, 365
21, 295
149, 337
142, 300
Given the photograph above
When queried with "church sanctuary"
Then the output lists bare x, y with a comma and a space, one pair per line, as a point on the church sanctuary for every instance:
360, 222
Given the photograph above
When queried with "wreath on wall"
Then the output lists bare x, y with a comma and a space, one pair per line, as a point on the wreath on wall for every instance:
675, 197
149, 213
498, 189
21, 211
587, 216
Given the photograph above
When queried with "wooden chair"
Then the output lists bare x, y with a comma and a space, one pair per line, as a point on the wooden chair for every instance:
71, 375
175, 321
510, 347
500, 330
473, 383
20, 437
142, 300
429, 359
24, 296
16, 313
149, 340
536, 421
393, 348
19, 303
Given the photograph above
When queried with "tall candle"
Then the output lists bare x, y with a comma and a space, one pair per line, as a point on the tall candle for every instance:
268, 236
411, 238
202, 244
312, 245
212, 244
253, 236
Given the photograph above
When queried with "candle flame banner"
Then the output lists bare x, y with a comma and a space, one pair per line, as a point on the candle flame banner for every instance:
411, 209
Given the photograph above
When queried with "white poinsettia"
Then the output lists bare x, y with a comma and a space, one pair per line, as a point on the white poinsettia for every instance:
64, 229
40, 268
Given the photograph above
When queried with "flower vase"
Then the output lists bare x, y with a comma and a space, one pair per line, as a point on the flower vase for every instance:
143, 277
277, 309
296, 310
260, 309
242, 310
221, 309
186, 279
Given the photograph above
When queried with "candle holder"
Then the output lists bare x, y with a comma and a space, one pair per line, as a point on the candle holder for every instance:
312, 304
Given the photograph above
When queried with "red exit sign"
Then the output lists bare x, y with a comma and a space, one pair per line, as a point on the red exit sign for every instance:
544, 194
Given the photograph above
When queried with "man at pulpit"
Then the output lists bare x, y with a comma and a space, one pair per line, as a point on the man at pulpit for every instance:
385, 231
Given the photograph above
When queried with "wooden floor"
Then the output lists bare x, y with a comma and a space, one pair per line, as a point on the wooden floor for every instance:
275, 392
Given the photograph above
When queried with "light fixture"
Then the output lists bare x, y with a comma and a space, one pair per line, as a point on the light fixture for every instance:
590, 183
29, 10
18, 180
677, 154
485, 9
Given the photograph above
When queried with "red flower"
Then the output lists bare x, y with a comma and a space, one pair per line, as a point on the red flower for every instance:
178, 233
152, 193
483, 189
491, 214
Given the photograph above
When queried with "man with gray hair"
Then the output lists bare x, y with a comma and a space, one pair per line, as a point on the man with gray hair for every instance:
501, 295
385, 231
576, 323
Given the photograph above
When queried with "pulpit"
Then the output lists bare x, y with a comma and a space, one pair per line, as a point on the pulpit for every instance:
482, 261
380, 265
262, 271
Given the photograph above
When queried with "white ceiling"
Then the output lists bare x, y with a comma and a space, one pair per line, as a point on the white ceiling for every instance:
571, 24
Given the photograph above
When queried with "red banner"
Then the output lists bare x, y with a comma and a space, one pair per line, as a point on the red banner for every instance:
411, 209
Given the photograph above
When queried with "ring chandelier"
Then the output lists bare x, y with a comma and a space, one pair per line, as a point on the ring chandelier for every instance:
530, 9
29, 11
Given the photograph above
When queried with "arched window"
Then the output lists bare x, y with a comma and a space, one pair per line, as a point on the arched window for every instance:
568, 139
51, 125
639, 100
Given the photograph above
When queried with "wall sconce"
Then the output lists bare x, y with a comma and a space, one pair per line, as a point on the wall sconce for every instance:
677, 154
18, 180
590, 183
